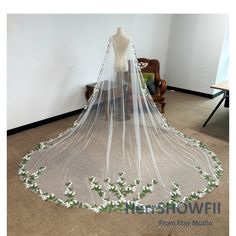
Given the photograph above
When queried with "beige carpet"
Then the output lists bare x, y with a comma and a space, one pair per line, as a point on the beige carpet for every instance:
30, 215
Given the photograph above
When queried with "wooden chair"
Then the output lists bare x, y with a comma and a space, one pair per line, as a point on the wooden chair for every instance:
153, 66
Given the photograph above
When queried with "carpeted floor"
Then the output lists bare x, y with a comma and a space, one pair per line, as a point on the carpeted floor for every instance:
30, 215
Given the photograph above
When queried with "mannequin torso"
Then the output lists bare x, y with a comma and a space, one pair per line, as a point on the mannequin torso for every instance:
120, 44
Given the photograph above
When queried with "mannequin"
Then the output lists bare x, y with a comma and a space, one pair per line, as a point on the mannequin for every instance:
120, 42
120, 45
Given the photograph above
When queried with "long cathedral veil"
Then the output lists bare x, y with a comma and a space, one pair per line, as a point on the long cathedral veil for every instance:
120, 151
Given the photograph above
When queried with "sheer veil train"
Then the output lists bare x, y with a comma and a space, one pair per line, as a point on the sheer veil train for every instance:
120, 151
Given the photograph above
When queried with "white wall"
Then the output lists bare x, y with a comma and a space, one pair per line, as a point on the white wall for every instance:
52, 57
223, 67
194, 50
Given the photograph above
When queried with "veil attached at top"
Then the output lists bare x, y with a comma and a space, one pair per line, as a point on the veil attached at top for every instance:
120, 151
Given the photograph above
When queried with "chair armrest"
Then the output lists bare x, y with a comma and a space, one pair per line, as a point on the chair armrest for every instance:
163, 87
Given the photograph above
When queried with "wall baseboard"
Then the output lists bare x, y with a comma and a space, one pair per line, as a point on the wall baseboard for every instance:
206, 95
43, 122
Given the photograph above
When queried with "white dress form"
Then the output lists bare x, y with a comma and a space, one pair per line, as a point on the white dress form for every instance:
120, 44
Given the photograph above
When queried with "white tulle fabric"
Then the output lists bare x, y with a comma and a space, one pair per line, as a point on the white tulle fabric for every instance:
121, 130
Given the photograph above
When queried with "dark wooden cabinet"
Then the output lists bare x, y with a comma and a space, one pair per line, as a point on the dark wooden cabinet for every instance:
89, 90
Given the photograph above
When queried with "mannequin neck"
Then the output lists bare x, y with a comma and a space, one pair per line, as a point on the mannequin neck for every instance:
120, 31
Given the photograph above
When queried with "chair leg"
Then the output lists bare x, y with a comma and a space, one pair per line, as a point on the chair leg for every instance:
163, 106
